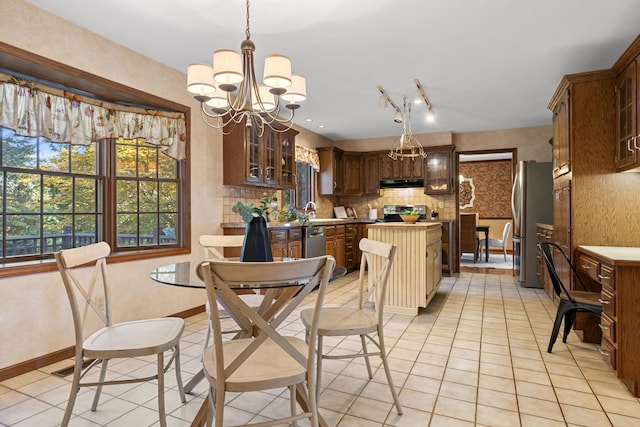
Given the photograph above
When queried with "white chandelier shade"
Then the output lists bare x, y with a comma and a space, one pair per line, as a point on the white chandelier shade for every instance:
229, 93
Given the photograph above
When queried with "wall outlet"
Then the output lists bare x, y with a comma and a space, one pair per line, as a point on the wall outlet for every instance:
441, 205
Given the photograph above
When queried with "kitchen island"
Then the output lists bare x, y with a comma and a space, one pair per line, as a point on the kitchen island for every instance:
417, 268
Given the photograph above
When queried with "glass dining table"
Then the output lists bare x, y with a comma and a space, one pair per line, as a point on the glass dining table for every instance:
184, 274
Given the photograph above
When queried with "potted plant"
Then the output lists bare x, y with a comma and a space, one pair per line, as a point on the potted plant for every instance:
256, 245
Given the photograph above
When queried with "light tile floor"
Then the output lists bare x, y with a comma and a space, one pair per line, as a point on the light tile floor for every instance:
475, 356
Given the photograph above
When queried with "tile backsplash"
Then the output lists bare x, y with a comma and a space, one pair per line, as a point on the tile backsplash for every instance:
325, 204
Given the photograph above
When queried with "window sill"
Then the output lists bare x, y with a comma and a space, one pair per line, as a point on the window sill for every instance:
42, 266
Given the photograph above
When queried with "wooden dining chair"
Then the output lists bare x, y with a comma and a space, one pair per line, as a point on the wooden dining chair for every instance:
571, 301
214, 246
469, 240
377, 258
133, 339
262, 358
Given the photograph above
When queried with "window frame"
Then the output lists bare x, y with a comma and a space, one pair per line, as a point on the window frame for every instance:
45, 69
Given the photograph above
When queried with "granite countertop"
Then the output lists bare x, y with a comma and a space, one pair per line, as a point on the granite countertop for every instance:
418, 225
319, 221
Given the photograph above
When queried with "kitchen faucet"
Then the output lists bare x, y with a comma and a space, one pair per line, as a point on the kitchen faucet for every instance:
310, 205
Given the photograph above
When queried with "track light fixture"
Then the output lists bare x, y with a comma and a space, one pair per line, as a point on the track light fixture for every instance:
419, 97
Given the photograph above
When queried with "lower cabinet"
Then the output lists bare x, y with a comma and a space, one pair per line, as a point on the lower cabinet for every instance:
335, 235
448, 247
351, 241
286, 242
616, 272
434, 263
544, 233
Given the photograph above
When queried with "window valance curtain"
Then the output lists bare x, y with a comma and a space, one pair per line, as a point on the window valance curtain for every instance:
307, 155
35, 110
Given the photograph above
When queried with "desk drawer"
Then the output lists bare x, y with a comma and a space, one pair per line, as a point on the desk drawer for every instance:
607, 276
608, 351
295, 234
590, 266
277, 235
608, 327
608, 300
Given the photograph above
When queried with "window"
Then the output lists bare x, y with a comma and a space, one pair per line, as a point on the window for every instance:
57, 196
305, 184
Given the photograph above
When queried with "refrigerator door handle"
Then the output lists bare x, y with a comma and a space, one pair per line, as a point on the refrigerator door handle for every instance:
513, 199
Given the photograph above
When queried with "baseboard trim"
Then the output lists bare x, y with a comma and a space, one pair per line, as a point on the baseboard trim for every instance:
66, 353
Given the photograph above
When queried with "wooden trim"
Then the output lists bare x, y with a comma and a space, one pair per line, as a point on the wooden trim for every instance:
627, 57
571, 79
67, 353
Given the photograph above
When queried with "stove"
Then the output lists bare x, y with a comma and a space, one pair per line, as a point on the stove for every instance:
391, 213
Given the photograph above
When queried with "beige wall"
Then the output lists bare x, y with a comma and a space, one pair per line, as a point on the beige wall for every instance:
36, 306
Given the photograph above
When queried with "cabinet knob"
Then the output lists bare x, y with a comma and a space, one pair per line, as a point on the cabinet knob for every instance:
601, 277
603, 352
586, 266
603, 327
603, 301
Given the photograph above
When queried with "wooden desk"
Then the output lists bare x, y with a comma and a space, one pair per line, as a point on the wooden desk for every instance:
485, 230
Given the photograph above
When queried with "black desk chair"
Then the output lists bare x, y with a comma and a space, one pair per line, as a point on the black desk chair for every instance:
571, 301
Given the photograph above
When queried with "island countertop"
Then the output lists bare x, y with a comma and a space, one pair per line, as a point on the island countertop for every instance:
416, 225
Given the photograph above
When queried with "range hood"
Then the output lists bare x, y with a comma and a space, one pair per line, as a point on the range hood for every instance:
401, 183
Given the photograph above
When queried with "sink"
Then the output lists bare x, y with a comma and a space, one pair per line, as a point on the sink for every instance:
326, 220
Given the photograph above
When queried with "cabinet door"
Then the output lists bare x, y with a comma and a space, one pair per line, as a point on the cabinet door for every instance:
562, 224
626, 142
279, 249
371, 174
561, 153
438, 175
340, 249
386, 166
253, 166
287, 161
269, 157
331, 171
417, 167
352, 177
295, 249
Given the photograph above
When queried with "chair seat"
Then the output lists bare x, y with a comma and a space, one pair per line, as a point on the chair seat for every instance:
337, 321
269, 367
584, 297
138, 338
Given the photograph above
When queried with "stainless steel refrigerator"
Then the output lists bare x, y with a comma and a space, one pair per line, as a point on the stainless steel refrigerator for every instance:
531, 203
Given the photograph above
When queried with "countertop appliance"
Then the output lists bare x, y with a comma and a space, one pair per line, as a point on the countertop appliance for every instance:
531, 203
314, 242
391, 213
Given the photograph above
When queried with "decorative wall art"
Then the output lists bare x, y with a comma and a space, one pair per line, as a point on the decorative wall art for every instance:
467, 192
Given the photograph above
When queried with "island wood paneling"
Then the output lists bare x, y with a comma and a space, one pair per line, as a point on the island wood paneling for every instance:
407, 288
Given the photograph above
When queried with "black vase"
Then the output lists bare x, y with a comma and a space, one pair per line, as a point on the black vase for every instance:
256, 246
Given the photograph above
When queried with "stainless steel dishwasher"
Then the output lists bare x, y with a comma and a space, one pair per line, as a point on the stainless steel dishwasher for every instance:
314, 242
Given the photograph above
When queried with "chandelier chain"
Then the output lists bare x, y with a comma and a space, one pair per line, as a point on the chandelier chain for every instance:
247, 31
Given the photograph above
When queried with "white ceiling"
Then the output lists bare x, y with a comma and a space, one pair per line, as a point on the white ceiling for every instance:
485, 64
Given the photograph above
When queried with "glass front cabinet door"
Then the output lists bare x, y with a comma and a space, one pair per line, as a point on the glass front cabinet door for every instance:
438, 170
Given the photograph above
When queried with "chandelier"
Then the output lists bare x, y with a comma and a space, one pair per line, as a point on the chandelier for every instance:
229, 94
407, 145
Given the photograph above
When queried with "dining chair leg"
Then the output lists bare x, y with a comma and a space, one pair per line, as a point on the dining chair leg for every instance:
387, 371
161, 409
219, 397
75, 388
504, 251
103, 374
292, 403
556, 326
569, 318
366, 358
318, 366
176, 362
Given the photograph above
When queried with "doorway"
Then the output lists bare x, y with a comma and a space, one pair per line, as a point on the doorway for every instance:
485, 179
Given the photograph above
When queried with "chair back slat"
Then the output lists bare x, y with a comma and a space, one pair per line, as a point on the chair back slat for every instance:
221, 277
73, 265
214, 245
377, 258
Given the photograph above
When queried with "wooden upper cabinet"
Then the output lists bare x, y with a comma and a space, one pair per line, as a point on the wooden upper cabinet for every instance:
627, 134
561, 154
438, 170
287, 177
352, 174
371, 174
331, 171
265, 160
409, 168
